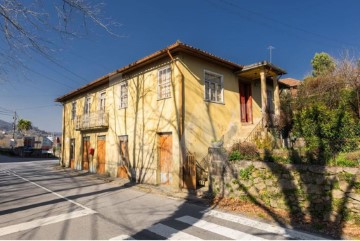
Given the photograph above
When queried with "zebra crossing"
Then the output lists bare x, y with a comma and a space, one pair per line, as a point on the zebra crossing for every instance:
217, 225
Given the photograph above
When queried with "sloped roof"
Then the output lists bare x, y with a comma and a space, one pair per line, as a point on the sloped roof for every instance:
173, 49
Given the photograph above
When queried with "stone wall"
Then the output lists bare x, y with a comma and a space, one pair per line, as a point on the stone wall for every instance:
329, 193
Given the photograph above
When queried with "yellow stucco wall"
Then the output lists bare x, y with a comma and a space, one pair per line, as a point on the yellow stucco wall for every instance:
141, 121
208, 121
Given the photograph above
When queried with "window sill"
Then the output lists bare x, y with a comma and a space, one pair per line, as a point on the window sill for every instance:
215, 102
164, 98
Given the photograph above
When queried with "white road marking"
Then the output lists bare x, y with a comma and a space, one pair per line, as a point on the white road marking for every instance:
218, 229
122, 237
56, 194
171, 233
286, 232
43, 221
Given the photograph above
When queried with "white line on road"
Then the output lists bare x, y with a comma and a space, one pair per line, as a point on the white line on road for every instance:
171, 233
56, 194
43, 221
218, 229
286, 232
122, 237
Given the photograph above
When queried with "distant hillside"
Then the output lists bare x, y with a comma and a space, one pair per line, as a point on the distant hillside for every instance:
6, 126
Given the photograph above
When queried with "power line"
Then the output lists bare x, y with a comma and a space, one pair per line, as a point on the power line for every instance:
258, 15
37, 107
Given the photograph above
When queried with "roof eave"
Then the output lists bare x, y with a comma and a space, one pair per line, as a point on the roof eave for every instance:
176, 47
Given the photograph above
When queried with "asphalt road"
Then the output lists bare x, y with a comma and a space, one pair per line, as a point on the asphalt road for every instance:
40, 201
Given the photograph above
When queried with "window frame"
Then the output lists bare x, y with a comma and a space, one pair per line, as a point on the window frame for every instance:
222, 101
101, 103
159, 93
121, 104
73, 110
87, 105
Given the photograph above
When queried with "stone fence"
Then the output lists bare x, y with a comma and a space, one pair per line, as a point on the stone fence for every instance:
328, 193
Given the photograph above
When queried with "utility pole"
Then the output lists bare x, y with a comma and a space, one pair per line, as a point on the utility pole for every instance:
270, 48
14, 125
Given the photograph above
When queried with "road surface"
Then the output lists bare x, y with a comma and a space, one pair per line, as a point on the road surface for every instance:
40, 201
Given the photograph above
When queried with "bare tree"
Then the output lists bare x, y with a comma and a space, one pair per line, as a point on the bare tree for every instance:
29, 27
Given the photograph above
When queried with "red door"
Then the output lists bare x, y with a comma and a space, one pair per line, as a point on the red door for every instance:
101, 154
245, 102
86, 147
72, 153
165, 158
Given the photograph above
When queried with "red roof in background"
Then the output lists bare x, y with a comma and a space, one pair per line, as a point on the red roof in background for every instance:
290, 82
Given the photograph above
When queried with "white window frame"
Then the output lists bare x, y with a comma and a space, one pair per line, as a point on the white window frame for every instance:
102, 101
164, 85
73, 110
124, 99
87, 105
208, 82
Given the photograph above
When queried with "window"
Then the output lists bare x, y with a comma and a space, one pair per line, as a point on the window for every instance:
73, 110
87, 105
164, 81
124, 94
102, 101
214, 87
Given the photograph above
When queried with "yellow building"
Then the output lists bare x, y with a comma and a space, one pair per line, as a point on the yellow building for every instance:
142, 121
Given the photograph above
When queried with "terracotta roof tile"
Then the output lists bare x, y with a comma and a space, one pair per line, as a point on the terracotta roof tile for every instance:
290, 82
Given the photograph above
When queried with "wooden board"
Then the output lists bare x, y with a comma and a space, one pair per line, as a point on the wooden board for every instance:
165, 158
101, 154
86, 147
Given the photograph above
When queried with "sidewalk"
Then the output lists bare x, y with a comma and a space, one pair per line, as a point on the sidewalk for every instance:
196, 198
189, 195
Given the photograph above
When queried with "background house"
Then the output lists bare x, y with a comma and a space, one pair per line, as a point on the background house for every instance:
291, 85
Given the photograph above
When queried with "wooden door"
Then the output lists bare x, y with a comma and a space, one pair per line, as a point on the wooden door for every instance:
86, 147
101, 154
124, 157
165, 158
189, 172
72, 153
245, 102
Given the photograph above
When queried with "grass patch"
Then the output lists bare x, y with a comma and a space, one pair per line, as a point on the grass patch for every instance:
245, 174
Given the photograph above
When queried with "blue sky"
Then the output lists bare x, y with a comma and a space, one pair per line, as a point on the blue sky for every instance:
240, 31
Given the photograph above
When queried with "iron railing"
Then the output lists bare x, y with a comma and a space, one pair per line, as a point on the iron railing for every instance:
94, 120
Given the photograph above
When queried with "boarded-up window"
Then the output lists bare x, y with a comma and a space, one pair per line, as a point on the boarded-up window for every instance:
124, 152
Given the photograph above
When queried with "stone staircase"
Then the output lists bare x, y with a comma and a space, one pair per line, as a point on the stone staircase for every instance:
250, 132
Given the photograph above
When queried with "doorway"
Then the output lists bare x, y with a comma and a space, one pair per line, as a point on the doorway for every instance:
165, 161
72, 153
86, 147
245, 102
101, 154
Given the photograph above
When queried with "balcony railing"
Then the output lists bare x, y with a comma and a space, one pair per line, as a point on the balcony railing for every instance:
95, 120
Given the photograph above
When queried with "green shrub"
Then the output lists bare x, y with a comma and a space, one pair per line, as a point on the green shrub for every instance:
244, 150
234, 156
342, 161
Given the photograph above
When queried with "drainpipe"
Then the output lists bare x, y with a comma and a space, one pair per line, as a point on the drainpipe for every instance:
181, 120
63, 138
